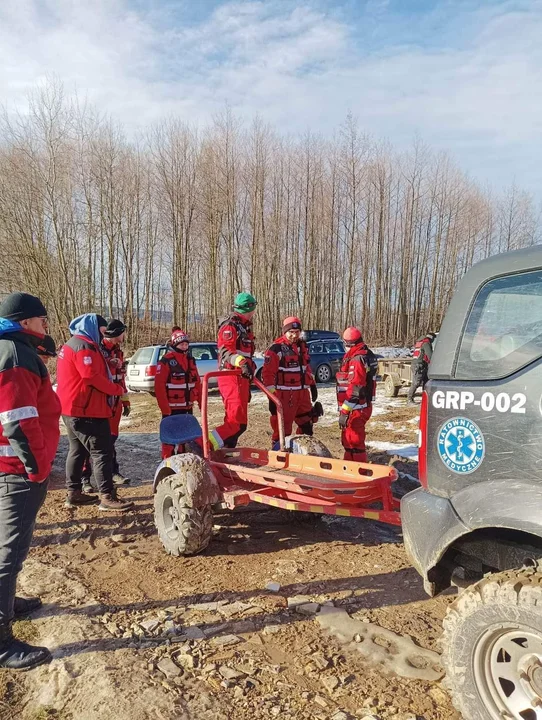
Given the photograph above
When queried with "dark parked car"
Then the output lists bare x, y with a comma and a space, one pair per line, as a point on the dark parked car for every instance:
307, 335
326, 357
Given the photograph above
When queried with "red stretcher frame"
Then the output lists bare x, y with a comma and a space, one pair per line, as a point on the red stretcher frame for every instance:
305, 483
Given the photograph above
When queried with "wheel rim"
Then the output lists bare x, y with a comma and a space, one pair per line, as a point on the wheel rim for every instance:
508, 673
389, 386
170, 517
324, 373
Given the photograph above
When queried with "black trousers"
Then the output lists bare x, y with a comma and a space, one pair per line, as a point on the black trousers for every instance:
86, 473
20, 501
419, 378
89, 436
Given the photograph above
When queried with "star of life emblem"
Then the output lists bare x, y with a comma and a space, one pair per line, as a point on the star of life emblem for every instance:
461, 445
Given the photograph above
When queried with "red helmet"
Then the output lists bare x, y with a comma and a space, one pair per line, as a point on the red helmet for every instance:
291, 323
178, 336
352, 336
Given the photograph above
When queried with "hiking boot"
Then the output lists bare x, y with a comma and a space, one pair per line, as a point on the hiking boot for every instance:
88, 487
76, 498
18, 655
24, 606
119, 479
110, 501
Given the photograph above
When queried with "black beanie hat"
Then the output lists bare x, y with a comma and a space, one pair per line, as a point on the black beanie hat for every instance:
102, 322
21, 306
47, 347
114, 328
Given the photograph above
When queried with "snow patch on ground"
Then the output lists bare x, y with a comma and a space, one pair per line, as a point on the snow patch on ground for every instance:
393, 352
406, 451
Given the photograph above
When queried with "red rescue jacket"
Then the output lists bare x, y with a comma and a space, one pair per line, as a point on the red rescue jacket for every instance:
177, 384
114, 357
287, 366
235, 342
29, 409
83, 383
356, 379
422, 353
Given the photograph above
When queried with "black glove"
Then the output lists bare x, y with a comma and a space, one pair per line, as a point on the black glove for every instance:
126, 409
317, 411
247, 370
272, 407
343, 420
314, 393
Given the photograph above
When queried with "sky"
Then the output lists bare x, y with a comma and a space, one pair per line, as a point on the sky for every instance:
463, 76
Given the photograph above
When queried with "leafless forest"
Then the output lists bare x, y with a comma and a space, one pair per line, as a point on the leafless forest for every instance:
170, 225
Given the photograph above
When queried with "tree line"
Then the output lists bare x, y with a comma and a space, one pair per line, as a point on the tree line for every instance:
167, 227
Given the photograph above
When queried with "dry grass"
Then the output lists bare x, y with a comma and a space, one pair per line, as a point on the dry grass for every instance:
11, 693
26, 631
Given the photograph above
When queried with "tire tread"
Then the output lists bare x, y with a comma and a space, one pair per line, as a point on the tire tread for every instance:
522, 588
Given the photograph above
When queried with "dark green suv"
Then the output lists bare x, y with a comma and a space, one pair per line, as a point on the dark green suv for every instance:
476, 522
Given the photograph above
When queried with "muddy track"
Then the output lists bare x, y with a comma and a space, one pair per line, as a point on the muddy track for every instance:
154, 636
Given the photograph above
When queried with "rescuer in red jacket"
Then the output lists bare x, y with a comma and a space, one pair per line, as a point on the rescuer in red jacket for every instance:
88, 394
421, 359
114, 336
235, 350
177, 384
29, 434
287, 373
355, 390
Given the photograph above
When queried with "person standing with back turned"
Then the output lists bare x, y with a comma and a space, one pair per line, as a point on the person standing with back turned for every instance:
29, 434
423, 352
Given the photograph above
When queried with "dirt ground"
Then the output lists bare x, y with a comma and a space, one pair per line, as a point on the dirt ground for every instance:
138, 634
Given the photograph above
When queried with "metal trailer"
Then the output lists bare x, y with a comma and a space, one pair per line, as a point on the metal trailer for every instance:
395, 374
300, 476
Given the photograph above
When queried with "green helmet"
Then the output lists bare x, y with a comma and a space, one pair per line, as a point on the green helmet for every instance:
244, 303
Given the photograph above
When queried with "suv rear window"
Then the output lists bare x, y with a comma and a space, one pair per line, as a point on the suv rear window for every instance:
143, 356
504, 328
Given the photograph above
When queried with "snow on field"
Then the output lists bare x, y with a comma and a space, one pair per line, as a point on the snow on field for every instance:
392, 352
406, 451
327, 396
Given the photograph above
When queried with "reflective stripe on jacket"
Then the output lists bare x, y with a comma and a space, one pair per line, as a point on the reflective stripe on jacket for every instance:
177, 384
287, 366
356, 379
235, 342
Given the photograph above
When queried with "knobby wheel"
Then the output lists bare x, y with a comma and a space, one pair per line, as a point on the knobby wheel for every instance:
183, 506
492, 645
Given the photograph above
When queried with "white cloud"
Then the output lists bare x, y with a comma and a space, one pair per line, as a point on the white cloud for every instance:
474, 87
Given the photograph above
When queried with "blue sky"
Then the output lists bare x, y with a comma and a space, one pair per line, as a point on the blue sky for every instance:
461, 75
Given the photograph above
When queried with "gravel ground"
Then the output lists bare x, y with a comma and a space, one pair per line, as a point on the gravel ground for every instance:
138, 634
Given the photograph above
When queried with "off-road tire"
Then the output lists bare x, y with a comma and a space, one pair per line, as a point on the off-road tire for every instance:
182, 516
503, 602
308, 445
390, 388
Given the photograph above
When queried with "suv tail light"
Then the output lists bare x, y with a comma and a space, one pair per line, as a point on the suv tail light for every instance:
422, 441
150, 371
